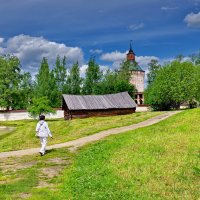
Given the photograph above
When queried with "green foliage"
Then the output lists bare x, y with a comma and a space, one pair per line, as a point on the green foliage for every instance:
196, 58
40, 106
58, 81
174, 84
124, 71
26, 91
74, 81
42, 87
10, 78
112, 82
92, 77
153, 69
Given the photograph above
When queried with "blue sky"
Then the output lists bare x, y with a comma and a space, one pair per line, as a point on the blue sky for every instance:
162, 29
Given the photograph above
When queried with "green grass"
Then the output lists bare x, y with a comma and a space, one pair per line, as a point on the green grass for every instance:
23, 136
156, 162
21, 178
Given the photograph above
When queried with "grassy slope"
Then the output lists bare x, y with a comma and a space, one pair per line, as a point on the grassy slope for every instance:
157, 162
23, 136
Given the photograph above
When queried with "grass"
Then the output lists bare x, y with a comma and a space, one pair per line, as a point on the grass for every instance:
23, 135
32, 177
156, 162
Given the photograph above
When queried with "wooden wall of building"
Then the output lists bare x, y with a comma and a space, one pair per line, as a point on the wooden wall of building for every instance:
91, 113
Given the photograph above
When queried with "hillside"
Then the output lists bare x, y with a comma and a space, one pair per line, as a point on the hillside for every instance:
156, 162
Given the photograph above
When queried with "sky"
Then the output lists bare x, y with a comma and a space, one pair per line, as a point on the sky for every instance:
79, 29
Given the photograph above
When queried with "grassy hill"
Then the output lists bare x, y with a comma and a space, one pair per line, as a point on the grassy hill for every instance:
157, 162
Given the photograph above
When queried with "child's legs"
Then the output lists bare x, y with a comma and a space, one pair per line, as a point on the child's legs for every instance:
43, 141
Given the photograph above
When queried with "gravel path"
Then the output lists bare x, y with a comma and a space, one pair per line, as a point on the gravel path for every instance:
72, 145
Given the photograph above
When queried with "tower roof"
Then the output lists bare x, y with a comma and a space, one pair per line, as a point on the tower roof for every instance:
133, 66
131, 49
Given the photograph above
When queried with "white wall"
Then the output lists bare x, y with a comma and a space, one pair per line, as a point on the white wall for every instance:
60, 114
24, 115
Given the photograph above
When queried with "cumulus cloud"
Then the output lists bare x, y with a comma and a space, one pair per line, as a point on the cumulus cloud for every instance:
135, 27
96, 51
31, 50
83, 69
144, 60
193, 20
113, 56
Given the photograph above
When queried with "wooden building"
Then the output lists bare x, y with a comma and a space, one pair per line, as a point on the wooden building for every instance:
80, 106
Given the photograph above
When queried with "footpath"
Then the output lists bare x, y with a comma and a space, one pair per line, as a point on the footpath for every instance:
74, 144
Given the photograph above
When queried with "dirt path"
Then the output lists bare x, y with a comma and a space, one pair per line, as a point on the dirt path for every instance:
88, 139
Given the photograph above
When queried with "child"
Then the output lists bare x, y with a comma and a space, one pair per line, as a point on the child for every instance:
42, 131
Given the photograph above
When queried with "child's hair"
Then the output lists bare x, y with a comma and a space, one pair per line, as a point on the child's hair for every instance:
42, 117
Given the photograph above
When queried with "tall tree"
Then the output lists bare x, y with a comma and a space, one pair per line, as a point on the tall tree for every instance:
58, 81
124, 72
60, 73
10, 78
26, 90
42, 86
92, 77
153, 68
74, 80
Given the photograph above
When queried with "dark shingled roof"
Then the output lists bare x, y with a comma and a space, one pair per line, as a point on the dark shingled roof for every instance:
99, 102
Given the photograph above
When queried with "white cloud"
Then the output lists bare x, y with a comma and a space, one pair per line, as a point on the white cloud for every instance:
113, 56
166, 8
31, 50
96, 51
143, 61
193, 20
83, 69
135, 27
117, 58
1, 40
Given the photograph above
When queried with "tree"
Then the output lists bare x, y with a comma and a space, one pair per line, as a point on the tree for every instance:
124, 71
112, 82
74, 80
196, 58
174, 84
10, 78
40, 106
42, 87
153, 68
25, 88
60, 73
92, 77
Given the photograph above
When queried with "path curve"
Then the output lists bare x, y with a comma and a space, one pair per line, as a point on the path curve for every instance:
91, 138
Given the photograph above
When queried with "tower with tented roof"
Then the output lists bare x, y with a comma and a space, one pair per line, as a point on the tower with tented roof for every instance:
137, 76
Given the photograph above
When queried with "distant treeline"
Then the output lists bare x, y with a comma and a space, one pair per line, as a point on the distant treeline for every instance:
18, 89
